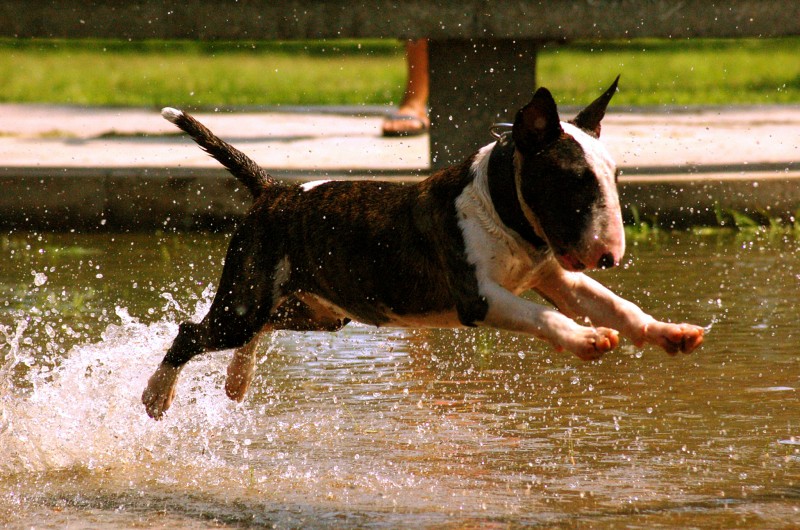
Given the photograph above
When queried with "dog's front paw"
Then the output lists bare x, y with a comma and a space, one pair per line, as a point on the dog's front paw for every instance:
674, 338
591, 343
160, 391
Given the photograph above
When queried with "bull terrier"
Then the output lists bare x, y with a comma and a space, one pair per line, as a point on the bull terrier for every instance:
531, 211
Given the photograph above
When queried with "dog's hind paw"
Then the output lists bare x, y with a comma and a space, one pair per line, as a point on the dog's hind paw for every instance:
240, 375
674, 338
160, 391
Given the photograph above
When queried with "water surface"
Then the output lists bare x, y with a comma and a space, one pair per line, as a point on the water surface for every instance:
395, 428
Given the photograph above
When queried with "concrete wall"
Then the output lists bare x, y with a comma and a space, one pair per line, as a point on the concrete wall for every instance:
315, 19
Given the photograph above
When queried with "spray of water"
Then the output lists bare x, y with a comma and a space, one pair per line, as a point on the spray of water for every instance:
85, 411
82, 416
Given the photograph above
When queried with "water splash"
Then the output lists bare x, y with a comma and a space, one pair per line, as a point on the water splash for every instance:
13, 357
86, 411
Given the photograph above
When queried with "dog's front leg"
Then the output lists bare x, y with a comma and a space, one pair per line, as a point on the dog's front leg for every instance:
578, 295
511, 313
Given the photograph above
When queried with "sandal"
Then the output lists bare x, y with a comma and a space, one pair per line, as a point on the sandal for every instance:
418, 125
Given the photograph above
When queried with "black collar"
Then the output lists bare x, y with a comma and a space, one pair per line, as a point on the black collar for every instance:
503, 191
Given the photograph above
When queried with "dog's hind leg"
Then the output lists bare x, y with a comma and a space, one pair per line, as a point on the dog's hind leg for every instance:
212, 334
249, 292
162, 385
294, 314
194, 339
241, 370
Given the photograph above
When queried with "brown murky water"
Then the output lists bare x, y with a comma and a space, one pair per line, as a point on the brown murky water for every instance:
396, 428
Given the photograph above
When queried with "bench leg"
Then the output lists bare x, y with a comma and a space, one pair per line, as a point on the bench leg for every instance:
474, 84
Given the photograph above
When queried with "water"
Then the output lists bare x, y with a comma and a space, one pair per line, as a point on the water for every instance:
395, 428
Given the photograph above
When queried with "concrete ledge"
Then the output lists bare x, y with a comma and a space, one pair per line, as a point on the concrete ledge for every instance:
118, 200
137, 199
146, 199
680, 201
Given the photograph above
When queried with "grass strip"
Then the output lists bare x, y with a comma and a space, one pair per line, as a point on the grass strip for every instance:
207, 74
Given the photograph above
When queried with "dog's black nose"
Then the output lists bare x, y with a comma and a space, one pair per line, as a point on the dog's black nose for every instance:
606, 261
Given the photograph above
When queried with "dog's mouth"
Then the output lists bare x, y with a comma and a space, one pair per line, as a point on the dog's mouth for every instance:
571, 263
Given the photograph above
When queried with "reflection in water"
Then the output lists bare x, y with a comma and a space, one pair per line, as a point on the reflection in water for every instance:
394, 428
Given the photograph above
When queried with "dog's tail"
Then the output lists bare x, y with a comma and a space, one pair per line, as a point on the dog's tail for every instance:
237, 163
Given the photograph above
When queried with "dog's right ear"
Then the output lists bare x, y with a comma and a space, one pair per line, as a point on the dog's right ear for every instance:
537, 123
589, 118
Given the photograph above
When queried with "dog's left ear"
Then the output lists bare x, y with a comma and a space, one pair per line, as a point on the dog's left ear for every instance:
537, 123
589, 118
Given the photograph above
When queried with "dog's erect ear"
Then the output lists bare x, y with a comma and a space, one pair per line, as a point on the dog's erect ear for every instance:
589, 118
537, 123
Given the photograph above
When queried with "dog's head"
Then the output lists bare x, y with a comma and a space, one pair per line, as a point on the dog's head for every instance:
566, 182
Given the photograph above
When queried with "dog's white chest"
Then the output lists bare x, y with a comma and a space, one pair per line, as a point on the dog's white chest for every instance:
499, 255
506, 263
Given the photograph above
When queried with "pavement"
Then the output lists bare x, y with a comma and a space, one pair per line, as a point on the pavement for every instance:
90, 168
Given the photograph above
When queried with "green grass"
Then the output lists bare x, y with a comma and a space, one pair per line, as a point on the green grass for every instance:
690, 72
744, 225
199, 74
194, 74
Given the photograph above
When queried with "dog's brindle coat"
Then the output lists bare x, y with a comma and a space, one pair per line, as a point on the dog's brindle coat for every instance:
529, 211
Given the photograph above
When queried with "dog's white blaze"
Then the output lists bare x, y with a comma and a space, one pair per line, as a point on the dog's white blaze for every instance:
171, 114
606, 229
308, 186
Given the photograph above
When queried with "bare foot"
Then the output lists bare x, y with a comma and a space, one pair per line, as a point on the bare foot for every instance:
160, 391
674, 338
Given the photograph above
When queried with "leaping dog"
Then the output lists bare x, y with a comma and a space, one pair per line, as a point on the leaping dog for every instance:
530, 211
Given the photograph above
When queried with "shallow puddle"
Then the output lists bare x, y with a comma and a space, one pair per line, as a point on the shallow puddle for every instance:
395, 428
